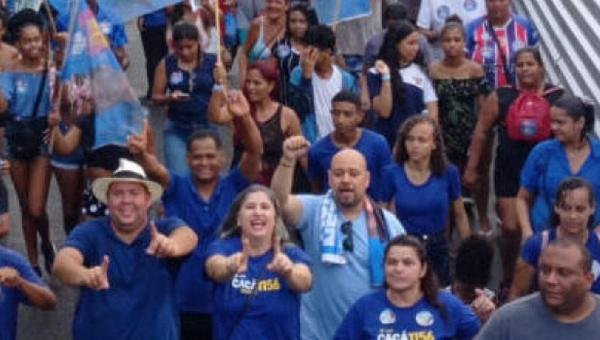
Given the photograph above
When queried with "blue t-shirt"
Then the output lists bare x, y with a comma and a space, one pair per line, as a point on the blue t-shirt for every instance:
546, 166
257, 304
140, 303
11, 297
115, 33
335, 287
530, 253
156, 19
20, 90
375, 317
429, 213
372, 145
189, 113
182, 200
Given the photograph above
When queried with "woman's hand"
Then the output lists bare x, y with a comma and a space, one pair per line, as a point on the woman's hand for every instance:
238, 263
178, 96
295, 147
382, 68
220, 74
281, 263
237, 104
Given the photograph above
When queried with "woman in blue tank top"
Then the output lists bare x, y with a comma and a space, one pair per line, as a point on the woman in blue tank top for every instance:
183, 81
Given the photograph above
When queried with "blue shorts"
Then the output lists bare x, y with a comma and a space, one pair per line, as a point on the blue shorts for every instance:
73, 161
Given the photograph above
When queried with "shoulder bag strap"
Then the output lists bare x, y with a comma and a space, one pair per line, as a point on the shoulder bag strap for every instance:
40, 91
492, 32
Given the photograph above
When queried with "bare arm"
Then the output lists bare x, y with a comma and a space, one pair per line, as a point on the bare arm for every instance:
524, 275
433, 110
138, 146
523, 203
39, 296
217, 107
300, 278
251, 162
281, 182
460, 218
69, 268
184, 239
159, 89
252, 37
488, 116
383, 102
4, 224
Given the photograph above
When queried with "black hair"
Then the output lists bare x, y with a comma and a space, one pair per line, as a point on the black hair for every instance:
578, 108
474, 261
3, 17
185, 30
438, 160
396, 12
21, 19
390, 55
534, 51
308, 14
321, 37
453, 22
429, 283
567, 185
204, 134
347, 96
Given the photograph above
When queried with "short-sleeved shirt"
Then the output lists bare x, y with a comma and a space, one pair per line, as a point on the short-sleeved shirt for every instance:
20, 90
115, 33
140, 303
375, 317
429, 213
182, 200
546, 166
371, 145
335, 287
257, 304
418, 91
530, 253
529, 318
483, 49
11, 297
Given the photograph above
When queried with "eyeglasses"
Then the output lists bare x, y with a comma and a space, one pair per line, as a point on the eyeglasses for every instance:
348, 242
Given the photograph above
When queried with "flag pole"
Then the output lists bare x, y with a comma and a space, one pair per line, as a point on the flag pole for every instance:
218, 31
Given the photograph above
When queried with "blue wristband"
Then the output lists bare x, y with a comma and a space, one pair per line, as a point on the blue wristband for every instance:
386, 77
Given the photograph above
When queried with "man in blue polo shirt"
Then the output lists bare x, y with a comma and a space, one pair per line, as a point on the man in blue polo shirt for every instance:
347, 117
19, 284
124, 263
202, 199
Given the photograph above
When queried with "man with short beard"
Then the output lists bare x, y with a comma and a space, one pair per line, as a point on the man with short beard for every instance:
343, 231
564, 308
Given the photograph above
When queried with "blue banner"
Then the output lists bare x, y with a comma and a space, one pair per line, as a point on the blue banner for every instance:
91, 69
330, 12
120, 11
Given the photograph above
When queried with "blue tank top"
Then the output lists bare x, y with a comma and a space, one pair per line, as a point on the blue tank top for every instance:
198, 85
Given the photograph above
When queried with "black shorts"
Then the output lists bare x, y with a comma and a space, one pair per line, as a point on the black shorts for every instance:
107, 157
510, 158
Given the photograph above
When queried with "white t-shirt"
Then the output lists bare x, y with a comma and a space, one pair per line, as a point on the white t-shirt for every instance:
323, 92
433, 15
413, 74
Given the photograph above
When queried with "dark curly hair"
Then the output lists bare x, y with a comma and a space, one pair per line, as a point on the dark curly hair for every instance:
567, 185
438, 159
21, 19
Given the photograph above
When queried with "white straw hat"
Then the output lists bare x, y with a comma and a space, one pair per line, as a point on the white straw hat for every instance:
128, 171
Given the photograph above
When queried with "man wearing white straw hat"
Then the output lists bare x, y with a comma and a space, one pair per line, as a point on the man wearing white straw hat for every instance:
124, 263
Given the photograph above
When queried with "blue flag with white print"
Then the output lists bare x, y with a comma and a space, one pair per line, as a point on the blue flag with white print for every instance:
331, 12
91, 71
121, 11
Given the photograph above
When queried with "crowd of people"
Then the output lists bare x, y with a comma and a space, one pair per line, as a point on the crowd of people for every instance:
362, 152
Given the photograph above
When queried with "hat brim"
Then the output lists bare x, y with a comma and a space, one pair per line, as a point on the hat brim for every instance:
100, 187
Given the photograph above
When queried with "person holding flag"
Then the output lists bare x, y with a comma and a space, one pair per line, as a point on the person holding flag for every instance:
125, 264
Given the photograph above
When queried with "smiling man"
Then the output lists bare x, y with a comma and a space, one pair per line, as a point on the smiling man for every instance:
202, 199
563, 309
343, 231
124, 263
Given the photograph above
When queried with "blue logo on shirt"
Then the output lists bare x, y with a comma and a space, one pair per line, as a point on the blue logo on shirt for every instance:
470, 5
443, 12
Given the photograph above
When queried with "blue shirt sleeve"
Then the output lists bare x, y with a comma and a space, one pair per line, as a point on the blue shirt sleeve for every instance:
535, 167
297, 255
82, 239
168, 225
373, 84
466, 322
171, 189
453, 180
118, 37
530, 252
26, 272
388, 189
314, 171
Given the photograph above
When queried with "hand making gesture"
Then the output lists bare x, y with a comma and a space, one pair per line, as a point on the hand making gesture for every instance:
238, 263
281, 263
160, 245
96, 277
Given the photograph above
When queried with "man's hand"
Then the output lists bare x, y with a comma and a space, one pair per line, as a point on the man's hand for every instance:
295, 147
96, 277
160, 245
482, 306
138, 144
308, 60
9, 277
237, 104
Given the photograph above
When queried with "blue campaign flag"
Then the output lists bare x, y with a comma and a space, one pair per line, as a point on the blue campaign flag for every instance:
330, 12
90, 63
120, 11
